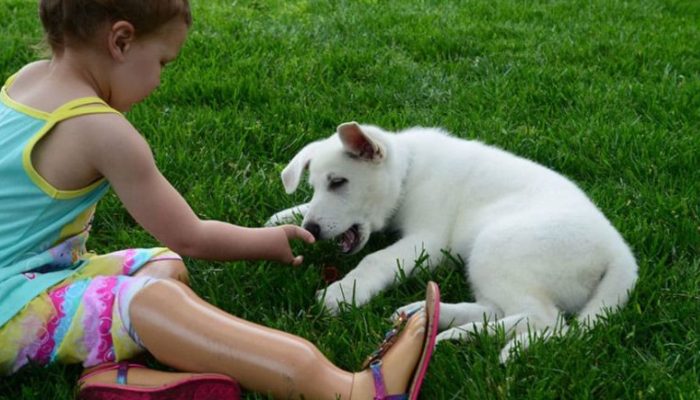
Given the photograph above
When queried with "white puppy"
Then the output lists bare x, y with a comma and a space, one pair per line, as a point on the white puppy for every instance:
535, 246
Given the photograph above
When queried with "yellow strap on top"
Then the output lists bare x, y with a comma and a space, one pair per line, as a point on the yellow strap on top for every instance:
73, 108
11, 79
81, 106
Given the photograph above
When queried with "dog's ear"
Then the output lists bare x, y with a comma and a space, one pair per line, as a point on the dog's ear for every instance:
358, 143
291, 174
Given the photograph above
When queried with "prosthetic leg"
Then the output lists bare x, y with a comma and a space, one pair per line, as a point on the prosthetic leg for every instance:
183, 331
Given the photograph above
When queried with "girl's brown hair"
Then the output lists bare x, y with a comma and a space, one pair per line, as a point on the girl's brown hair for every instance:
75, 22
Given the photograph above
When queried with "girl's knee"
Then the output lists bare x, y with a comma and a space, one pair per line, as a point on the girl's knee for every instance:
309, 363
166, 269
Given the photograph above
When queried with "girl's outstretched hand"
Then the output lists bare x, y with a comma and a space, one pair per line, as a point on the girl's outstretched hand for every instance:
294, 232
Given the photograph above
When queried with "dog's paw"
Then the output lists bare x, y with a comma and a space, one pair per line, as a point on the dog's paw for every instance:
408, 309
341, 293
452, 334
513, 348
289, 216
280, 218
330, 304
335, 296
507, 354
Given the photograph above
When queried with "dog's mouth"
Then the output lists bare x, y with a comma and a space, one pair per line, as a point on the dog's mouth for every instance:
350, 239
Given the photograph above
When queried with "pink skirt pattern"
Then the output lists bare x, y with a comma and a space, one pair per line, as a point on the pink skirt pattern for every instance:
80, 319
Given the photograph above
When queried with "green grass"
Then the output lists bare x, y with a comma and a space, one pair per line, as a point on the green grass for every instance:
606, 92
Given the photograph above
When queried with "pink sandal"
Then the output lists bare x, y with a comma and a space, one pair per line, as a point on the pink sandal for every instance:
432, 309
196, 387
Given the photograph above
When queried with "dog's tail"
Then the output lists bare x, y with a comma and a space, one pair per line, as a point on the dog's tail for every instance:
613, 289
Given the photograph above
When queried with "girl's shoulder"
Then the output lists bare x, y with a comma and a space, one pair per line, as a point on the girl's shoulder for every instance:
30, 72
73, 154
36, 66
39, 87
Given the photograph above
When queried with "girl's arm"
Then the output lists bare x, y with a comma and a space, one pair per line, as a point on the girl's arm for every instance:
124, 158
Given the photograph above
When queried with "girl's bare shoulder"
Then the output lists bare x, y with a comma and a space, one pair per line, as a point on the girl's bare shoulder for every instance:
39, 86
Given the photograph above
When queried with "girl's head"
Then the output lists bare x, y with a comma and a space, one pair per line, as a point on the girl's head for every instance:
77, 22
127, 42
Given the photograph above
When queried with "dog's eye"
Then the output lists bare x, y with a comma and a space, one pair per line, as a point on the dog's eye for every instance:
336, 183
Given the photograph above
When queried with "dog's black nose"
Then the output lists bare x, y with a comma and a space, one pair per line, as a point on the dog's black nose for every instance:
314, 228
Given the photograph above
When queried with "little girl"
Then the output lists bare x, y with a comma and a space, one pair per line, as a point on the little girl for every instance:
63, 144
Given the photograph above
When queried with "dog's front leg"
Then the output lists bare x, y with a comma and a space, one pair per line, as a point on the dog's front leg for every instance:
377, 271
288, 216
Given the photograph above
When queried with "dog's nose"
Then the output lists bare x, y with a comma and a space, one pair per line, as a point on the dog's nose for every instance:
314, 228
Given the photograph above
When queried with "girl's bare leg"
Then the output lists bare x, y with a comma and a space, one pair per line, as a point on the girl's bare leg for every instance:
185, 332
167, 268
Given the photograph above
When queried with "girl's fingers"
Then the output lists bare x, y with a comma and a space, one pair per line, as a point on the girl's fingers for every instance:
297, 232
297, 261
306, 236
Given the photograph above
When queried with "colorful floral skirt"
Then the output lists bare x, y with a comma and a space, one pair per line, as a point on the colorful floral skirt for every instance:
83, 319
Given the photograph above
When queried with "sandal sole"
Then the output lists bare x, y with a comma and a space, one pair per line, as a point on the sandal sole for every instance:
432, 310
200, 388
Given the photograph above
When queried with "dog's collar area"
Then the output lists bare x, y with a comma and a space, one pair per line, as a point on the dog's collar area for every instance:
404, 178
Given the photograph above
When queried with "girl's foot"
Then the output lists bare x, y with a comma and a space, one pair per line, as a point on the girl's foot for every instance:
398, 364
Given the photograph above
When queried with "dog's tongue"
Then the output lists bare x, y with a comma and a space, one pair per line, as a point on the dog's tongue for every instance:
348, 240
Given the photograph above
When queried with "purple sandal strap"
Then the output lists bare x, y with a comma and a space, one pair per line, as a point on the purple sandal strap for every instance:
107, 367
379, 386
122, 371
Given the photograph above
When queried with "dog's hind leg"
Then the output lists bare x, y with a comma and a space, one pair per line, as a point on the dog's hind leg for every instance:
534, 318
522, 340
456, 314
508, 324
464, 313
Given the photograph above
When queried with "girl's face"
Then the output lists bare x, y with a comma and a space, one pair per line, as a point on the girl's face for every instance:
139, 74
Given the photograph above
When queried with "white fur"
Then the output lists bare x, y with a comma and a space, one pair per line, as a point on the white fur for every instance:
534, 244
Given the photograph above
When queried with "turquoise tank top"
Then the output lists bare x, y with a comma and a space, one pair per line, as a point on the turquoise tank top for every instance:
42, 229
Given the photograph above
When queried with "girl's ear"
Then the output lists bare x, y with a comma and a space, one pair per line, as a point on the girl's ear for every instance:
120, 38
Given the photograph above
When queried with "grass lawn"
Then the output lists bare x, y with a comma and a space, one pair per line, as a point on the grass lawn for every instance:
606, 92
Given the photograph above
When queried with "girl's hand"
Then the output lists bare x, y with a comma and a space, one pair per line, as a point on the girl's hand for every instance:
293, 232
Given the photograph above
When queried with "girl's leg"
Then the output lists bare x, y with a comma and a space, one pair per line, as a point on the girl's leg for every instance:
185, 332
171, 268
